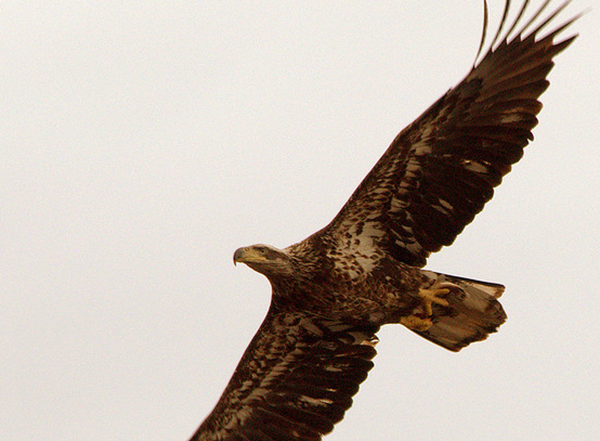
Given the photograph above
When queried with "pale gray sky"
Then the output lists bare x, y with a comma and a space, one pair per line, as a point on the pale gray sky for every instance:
143, 142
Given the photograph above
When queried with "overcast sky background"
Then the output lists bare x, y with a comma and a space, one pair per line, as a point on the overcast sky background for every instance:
143, 142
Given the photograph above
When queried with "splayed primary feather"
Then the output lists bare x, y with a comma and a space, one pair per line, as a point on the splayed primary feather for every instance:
332, 291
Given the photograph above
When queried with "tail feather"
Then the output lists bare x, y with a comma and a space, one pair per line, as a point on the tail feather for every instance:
472, 314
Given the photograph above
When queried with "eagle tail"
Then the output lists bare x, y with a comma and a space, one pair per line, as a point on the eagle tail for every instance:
473, 311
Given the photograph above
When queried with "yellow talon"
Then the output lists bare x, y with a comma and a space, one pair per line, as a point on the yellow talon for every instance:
416, 323
422, 321
430, 296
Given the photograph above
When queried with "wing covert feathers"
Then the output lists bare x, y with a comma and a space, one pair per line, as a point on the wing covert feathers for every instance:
299, 374
441, 170
294, 382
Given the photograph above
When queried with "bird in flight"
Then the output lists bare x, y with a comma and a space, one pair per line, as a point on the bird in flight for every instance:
333, 291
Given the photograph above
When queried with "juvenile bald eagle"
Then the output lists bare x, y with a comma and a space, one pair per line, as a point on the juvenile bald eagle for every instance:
332, 291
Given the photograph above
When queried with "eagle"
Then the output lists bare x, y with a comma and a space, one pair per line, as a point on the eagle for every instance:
333, 291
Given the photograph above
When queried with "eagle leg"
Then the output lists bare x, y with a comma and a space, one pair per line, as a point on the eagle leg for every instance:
416, 323
428, 298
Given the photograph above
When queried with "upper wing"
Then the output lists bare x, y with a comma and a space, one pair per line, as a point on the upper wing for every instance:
294, 382
440, 171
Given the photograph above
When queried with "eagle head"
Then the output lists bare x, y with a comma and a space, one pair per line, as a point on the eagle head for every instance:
265, 259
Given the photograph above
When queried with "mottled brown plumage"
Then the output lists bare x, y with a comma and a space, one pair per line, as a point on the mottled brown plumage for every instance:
332, 291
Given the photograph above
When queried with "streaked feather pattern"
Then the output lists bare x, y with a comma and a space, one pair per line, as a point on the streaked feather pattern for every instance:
441, 170
294, 382
332, 291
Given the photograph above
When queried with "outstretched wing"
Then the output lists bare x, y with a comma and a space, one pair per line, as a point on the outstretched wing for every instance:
440, 171
294, 382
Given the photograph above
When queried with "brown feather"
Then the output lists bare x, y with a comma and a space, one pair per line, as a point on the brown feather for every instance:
486, 119
332, 291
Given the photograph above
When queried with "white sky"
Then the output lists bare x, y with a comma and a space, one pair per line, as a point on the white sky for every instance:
143, 142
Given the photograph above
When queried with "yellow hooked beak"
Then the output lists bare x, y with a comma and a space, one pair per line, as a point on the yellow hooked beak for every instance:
248, 255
